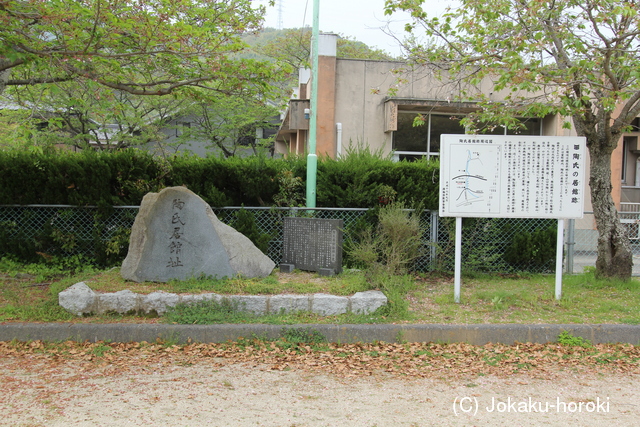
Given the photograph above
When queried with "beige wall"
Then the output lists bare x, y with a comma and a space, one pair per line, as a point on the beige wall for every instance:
363, 96
364, 87
358, 107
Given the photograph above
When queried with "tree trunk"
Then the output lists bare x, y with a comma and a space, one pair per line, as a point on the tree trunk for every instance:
4, 75
615, 259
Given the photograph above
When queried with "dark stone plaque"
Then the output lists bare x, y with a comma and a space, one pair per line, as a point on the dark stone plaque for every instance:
312, 244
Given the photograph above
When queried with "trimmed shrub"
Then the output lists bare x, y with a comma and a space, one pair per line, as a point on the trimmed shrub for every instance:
117, 178
121, 178
85, 178
534, 250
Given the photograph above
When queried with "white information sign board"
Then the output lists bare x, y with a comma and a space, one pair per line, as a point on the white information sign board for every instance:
512, 176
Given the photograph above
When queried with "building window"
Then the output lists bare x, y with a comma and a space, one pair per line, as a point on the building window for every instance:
628, 171
412, 142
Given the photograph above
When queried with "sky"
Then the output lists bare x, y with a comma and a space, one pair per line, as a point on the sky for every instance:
358, 19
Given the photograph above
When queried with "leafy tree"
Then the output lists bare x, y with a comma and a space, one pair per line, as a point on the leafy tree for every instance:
84, 113
576, 58
16, 127
142, 47
85, 68
229, 123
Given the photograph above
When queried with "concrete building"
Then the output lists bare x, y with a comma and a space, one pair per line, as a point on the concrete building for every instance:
374, 104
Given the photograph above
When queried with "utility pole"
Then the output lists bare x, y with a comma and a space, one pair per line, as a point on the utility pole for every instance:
312, 158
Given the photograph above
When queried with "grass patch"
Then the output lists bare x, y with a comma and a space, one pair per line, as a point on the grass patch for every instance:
206, 312
30, 293
347, 283
568, 339
525, 299
303, 336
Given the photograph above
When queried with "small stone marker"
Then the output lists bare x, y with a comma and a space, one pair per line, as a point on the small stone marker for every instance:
313, 244
176, 235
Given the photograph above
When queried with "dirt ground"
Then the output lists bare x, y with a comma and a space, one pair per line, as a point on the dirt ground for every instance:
220, 392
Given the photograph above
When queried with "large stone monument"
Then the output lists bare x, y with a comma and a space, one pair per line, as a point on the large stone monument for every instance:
176, 235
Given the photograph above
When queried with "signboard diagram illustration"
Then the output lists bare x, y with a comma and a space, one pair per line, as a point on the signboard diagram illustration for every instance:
512, 176
475, 176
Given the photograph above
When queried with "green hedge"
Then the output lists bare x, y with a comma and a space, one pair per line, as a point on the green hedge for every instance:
122, 178
87, 178
355, 181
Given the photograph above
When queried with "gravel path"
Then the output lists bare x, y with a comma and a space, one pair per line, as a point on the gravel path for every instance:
226, 393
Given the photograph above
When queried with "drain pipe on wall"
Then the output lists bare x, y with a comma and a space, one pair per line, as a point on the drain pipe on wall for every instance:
338, 140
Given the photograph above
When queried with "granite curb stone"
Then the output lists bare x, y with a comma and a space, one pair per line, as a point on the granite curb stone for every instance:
80, 299
472, 334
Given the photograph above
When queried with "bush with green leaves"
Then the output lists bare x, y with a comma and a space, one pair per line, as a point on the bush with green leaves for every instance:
84, 178
533, 250
568, 339
390, 246
291, 192
298, 335
499, 244
358, 179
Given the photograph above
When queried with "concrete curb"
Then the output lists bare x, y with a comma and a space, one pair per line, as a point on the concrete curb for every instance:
472, 334
80, 299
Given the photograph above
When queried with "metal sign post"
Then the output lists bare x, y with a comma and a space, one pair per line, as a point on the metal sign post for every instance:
312, 157
457, 281
559, 247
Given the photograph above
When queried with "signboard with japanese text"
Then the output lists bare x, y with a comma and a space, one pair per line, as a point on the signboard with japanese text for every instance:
512, 176
312, 244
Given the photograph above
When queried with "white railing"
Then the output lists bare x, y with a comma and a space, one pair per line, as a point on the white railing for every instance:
626, 207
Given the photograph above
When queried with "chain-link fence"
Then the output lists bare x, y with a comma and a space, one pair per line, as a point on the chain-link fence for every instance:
502, 245
33, 232
269, 221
